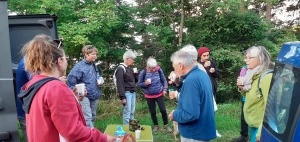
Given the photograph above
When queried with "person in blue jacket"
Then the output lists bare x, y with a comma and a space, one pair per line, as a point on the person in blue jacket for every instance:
195, 109
155, 86
86, 72
22, 77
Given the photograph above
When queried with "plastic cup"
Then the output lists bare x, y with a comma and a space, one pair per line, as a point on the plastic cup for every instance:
100, 80
80, 88
149, 79
135, 70
137, 134
173, 76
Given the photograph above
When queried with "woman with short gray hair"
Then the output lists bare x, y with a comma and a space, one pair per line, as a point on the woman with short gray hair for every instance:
154, 84
257, 59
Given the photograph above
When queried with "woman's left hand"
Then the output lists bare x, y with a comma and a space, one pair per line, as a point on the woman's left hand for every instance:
257, 139
164, 93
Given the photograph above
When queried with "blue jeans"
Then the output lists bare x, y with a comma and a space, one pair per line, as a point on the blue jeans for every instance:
129, 108
89, 109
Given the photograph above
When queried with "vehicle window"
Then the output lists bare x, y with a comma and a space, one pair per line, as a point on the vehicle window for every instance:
279, 100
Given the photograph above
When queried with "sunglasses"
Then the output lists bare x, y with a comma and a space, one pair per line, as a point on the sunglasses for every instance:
90, 47
58, 42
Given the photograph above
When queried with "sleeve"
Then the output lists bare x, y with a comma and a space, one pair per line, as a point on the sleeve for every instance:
67, 118
120, 82
216, 73
190, 111
164, 79
141, 82
74, 77
265, 87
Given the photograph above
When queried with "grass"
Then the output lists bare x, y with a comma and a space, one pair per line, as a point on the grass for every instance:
227, 118
110, 112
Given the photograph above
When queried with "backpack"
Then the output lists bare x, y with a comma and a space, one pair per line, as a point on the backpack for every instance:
114, 76
159, 71
261, 77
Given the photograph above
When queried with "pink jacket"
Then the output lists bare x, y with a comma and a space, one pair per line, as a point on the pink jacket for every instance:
54, 110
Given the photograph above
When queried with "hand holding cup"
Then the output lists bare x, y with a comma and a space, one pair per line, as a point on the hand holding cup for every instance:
207, 64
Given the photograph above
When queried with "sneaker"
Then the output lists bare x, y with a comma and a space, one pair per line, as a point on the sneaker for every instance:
155, 129
217, 133
168, 128
240, 139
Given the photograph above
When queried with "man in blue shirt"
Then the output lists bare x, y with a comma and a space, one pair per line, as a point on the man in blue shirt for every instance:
195, 109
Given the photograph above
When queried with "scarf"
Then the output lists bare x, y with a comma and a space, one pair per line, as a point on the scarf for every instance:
247, 79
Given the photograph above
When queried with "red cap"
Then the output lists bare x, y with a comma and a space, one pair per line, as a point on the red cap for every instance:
202, 50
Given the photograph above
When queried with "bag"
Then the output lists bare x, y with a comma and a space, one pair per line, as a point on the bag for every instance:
261, 77
114, 76
134, 125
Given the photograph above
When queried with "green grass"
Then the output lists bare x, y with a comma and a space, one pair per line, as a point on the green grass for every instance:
110, 112
227, 118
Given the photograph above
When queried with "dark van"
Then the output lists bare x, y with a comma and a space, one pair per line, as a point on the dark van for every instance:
15, 31
282, 115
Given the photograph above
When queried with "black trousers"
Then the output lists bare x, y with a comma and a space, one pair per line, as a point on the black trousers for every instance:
244, 125
162, 107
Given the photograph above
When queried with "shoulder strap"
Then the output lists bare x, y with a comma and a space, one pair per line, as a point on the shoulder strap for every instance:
261, 77
160, 76
144, 74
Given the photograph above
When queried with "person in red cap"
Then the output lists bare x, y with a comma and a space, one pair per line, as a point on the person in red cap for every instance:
210, 67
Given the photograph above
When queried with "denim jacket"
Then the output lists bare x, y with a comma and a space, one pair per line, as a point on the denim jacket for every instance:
85, 72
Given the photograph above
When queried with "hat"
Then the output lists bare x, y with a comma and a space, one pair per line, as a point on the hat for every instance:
202, 50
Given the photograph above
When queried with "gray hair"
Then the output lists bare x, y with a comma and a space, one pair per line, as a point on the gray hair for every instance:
182, 57
191, 50
263, 56
151, 62
129, 54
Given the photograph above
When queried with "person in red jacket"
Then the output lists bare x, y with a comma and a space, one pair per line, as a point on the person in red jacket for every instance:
52, 110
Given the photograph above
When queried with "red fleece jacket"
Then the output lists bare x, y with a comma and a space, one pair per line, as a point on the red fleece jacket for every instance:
54, 110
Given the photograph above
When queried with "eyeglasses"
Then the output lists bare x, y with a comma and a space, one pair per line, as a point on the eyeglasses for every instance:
248, 58
66, 57
59, 42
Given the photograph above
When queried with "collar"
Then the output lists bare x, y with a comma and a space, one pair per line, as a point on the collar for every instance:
87, 62
193, 69
124, 64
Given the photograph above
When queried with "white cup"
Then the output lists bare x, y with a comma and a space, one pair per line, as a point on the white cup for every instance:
100, 80
80, 88
149, 79
137, 134
173, 76
135, 70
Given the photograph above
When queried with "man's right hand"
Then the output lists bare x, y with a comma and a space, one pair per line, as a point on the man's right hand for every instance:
124, 102
207, 64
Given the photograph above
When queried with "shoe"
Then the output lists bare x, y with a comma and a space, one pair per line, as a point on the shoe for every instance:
217, 133
168, 128
240, 139
155, 129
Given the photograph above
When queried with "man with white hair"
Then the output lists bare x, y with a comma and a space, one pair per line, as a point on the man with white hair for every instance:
192, 51
195, 109
126, 80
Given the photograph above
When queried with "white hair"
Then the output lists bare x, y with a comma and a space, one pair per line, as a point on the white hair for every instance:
129, 54
182, 57
191, 50
151, 62
263, 56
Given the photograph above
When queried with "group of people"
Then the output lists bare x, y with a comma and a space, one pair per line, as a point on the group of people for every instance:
56, 112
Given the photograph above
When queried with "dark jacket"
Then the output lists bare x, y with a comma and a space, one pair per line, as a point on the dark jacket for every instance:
125, 81
212, 76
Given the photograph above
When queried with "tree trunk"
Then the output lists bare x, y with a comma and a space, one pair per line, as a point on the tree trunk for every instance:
181, 23
268, 10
